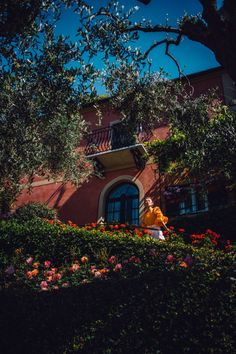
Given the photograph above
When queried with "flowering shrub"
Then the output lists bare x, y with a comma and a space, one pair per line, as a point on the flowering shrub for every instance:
109, 291
48, 255
45, 276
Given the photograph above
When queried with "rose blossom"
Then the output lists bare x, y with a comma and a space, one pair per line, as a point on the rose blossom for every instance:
65, 285
98, 274
50, 279
29, 260
170, 258
74, 267
118, 267
58, 276
44, 285
34, 272
47, 264
36, 264
84, 259
113, 260
29, 275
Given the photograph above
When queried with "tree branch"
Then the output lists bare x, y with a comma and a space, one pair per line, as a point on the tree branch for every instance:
145, 2
154, 29
168, 42
175, 42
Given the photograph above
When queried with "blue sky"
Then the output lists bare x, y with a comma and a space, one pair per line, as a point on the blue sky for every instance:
192, 56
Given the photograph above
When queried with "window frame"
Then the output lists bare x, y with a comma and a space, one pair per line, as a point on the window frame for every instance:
123, 205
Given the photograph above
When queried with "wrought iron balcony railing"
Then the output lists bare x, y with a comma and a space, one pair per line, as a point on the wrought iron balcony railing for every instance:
112, 138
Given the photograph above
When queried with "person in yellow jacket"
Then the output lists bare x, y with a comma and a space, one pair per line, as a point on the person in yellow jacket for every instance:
154, 219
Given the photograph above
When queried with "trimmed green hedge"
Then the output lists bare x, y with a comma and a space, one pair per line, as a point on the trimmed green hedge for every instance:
29, 211
162, 306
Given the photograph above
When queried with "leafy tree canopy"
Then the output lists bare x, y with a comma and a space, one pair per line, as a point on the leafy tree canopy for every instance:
112, 26
41, 92
202, 140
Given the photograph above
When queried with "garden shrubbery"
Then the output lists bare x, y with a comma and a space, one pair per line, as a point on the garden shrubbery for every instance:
113, 289
29, 211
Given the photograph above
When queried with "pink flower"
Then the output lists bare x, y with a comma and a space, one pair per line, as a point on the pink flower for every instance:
29, 260
170, 258
29, 275
56, 287
113, 260
58, 276
135, 259
65, 285
44, 285
84, 259
118, 267
98, 274
10, 270
47, 264
50, 278
74, 267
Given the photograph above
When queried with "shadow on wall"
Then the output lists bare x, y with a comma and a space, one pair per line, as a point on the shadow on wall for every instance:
81, 205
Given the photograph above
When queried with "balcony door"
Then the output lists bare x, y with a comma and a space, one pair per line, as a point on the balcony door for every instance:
121, 136
122, 204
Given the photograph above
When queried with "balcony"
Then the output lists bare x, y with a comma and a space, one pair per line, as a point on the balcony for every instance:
117, 147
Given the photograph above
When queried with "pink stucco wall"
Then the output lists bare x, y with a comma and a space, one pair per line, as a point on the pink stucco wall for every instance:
81, 204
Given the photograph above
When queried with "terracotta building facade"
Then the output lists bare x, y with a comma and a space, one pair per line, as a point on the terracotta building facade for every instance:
125, 177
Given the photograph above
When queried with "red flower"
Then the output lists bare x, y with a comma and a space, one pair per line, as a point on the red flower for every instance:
135, 259
147, 232
170, 258
122, 225
113, 260
181, 230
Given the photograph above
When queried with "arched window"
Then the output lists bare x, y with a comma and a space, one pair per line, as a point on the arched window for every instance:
122, 204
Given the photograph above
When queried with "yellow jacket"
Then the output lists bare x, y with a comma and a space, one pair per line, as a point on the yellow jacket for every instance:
154, 216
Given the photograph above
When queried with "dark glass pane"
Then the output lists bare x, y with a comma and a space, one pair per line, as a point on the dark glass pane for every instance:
121, 136
126, 189
121, 204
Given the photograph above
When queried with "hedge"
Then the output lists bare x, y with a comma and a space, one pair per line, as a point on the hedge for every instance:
159, 304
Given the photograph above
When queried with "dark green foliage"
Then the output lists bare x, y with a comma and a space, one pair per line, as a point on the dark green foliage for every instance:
41, 93
158, 310
202, 144
156, 313
31, 210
